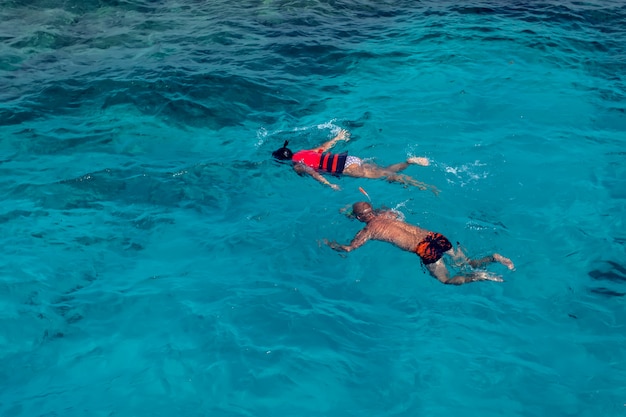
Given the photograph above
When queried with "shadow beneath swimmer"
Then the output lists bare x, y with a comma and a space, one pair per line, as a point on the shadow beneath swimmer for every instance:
616, 273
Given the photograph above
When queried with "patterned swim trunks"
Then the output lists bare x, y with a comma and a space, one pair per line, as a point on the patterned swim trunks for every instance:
432, 248
351, 160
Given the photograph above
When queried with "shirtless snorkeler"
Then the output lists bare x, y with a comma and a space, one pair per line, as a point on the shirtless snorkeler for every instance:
387, 226
318, 160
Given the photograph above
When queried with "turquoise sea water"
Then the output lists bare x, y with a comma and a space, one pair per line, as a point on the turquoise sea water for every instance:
156, 262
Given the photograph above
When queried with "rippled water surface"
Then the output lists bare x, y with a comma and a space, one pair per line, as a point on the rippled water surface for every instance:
157, 262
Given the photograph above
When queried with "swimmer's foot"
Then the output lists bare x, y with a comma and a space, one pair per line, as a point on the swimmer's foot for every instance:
504, 261
418, 160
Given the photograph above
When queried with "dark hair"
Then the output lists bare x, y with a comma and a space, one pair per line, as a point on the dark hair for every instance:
283, 153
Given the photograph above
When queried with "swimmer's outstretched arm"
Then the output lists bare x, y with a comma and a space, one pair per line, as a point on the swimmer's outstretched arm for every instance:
342, 135
358, 241
305, 169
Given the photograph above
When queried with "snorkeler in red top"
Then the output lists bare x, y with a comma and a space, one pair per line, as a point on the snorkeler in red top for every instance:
318, 160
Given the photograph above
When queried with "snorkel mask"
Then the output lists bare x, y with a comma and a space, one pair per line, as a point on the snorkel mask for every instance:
283, 153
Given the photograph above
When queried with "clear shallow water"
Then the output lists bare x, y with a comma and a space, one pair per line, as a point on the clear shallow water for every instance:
157, 262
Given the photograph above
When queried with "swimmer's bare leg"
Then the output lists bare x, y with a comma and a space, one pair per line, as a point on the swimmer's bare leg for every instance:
365, 171
504, 261
458, 256
401, 166
477, 263
368, 170
374, 171
439, 271
405, 179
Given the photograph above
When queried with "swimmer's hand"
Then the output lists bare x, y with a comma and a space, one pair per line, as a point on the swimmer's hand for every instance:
343, 135
334, 187
347, 211
334, 245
